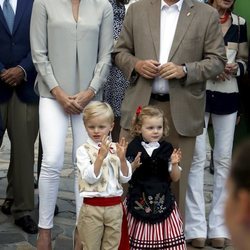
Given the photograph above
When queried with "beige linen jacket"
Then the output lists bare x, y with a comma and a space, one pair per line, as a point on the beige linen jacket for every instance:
69, 54
198, 43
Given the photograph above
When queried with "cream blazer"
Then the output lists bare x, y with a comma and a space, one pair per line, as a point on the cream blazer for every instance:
72, 55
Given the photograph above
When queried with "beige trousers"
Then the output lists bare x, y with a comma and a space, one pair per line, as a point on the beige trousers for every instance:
99, 227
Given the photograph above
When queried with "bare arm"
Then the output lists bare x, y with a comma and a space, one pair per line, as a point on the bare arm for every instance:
175, 174
121, 153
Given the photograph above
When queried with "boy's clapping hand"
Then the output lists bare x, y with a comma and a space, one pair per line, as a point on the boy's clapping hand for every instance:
121, 148
105, 146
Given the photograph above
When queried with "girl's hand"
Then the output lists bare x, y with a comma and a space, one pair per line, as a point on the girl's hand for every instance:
121, 148
175, 159
137, 161
176, 156
105, 145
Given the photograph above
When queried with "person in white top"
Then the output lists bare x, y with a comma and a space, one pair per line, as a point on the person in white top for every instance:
102, 168
71, 44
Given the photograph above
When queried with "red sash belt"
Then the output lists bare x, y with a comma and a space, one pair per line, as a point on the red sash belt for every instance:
111, 201
102, 201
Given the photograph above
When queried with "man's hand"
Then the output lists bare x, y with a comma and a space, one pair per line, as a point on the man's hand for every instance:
171, 71
12, 76
149, 69
69, 104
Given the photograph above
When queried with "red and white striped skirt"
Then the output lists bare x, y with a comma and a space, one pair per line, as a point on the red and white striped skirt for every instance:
167, 234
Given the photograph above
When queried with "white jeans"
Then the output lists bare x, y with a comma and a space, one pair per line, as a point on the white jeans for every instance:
195, 224
53, 129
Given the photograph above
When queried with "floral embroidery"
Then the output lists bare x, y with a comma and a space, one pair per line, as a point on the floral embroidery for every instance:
151, 204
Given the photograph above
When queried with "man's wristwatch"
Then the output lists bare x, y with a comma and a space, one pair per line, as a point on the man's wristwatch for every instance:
184, 68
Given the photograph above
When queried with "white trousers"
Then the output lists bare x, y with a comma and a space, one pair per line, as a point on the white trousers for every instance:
196, 225
53, 129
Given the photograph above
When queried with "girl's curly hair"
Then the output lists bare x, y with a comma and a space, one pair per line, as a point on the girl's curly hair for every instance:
147, 111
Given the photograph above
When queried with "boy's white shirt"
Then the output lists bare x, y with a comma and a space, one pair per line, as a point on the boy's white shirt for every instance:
86, 169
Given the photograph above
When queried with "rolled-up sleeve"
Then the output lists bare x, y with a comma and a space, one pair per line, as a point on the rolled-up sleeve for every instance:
39, 44
125, 179
86, 167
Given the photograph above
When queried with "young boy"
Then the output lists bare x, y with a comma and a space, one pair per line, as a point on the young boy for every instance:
103, 167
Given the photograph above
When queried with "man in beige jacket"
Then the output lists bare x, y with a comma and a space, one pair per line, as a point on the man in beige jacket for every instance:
168, 49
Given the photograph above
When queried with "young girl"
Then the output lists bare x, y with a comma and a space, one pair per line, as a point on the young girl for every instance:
153, 218
103, 167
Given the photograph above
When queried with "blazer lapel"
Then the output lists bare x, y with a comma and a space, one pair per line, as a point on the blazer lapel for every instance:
186, 15
19, 13
3, 21
154, 14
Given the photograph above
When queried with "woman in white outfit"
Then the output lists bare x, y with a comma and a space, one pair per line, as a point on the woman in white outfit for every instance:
222, 100
71, 43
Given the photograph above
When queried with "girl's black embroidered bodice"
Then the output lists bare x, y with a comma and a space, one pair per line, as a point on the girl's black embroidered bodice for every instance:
149, 195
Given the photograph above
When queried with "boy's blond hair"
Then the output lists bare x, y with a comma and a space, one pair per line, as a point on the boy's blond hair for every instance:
147, 111
97, 108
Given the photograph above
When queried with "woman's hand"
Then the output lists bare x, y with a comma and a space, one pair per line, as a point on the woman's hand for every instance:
230, 70
69, 104
83, 97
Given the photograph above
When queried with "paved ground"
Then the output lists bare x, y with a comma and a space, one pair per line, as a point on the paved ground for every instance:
12, 238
